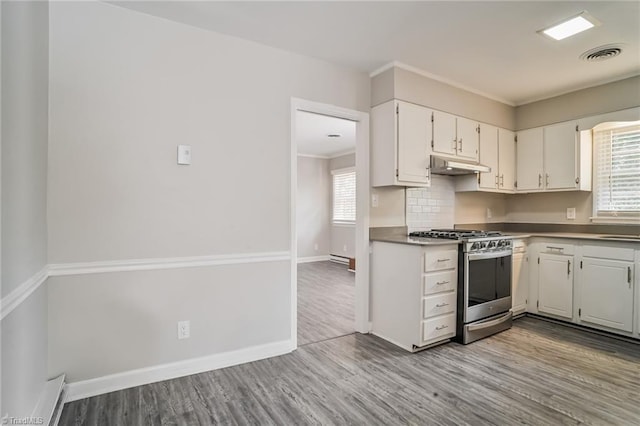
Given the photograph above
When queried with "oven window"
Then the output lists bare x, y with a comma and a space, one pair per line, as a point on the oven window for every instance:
489, 279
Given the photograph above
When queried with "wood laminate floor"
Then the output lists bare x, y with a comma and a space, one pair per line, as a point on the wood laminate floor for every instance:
537, 373
326, 293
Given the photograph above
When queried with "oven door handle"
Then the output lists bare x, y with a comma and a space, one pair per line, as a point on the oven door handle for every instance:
490, 255
491, 323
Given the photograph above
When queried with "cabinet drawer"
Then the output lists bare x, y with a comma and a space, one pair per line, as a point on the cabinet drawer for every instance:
440, 327
439, 304
439, 282
435, 260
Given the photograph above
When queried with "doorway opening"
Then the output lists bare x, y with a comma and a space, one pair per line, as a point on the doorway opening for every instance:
329, 222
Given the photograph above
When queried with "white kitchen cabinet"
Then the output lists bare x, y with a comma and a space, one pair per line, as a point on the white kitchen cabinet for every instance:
445, 140
555, 284
554, 158
506, 159
605, 288
489, 156
414, 293
560, 156
400, 139
497, 151
519, 278
529, 160
455, 136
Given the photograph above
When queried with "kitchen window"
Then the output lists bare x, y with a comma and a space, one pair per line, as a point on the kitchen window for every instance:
344, 196
617, 172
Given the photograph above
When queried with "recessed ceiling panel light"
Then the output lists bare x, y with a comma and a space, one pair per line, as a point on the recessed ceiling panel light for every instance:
570, 26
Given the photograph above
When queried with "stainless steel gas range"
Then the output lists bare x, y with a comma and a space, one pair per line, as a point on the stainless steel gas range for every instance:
484, 281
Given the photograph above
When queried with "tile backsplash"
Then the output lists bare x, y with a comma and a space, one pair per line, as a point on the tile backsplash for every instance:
433, 207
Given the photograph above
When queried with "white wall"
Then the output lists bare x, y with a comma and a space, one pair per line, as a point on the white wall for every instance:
24, 229
313, 207
126, 88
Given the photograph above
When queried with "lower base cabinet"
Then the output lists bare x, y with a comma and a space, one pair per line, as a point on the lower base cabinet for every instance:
606, 291
414, 293
555, 285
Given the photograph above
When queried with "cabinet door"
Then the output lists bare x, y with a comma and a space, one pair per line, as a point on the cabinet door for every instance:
444, 133
529, 167
506, 159
520, 282
606, 293
414, 135
489, 155
555, 285
560, 156
468, 138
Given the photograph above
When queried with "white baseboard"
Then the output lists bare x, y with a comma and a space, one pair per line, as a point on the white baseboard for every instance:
313, 259
143, 376
48, 401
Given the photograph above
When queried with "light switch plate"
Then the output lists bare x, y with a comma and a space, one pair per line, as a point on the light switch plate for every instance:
184, 154
374, 200
571, 213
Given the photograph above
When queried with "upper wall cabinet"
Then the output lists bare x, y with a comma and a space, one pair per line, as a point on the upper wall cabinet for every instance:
554, 158
400, 144
455, 136
529, 160
497, 151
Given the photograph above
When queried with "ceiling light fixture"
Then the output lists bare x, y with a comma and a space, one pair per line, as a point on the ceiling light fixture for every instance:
571, 26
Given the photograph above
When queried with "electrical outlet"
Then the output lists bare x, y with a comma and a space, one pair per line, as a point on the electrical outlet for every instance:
374, 200
184, 329
315, 246
489, 213
344, 248
571, 213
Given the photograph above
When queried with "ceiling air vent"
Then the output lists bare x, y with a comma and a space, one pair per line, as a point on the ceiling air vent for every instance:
602, 53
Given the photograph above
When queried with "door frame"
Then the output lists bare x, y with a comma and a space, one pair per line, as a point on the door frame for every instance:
362, 210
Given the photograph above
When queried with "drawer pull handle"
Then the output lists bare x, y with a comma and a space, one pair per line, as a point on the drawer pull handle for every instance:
443, 260
441, 305
442, 327
629, 276
442, 282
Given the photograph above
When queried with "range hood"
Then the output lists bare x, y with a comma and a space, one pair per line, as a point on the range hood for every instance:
455, 167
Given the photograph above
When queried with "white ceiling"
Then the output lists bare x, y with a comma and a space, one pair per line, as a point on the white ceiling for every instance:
489, 47
312, 130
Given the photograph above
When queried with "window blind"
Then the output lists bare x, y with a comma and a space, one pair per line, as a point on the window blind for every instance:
344, 197
617, 171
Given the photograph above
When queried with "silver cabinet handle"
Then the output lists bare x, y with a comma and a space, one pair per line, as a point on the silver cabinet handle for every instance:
539, 180
455, 144
443, 260
442, 327
441, 305
560, 249
546, 180
629, 275
568, 267
502, 180
460, 142
497, 184
442, 282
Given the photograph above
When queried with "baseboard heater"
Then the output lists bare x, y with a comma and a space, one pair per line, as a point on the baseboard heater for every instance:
338, 259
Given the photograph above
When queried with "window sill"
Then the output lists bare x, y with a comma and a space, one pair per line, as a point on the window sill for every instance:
345, 224
616, 220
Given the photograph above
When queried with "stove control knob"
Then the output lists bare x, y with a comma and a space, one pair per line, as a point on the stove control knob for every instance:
483, 245
475, 246
492, 244
502, 243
